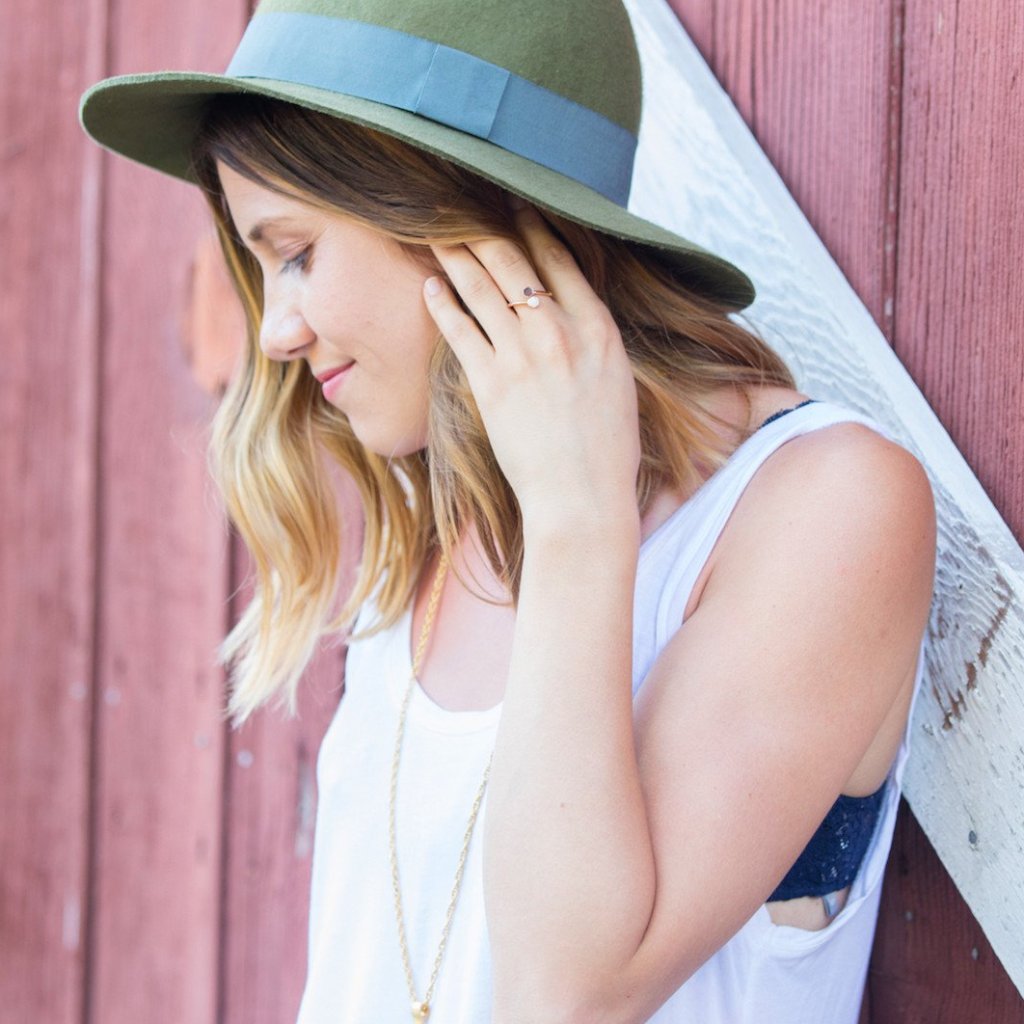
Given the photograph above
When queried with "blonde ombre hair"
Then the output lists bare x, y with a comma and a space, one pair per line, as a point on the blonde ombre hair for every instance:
275, 436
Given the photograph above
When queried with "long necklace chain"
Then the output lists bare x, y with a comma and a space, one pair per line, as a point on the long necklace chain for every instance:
421, 1008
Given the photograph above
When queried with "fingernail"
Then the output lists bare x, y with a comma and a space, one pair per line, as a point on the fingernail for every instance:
433, 286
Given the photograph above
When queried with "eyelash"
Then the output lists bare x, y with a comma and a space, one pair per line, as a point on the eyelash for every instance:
298, 261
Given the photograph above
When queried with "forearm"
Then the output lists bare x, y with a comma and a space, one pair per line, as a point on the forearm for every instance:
569, 870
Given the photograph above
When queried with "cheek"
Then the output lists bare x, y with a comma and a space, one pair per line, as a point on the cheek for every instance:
413, 372
390, 416
416, 336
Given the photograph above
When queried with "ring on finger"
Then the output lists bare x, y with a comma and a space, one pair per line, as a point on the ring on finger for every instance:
532, 298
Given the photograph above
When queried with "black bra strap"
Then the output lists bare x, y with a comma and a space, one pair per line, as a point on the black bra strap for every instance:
782, 412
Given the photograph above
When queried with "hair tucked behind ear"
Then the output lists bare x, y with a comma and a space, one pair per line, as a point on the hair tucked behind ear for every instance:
274, 429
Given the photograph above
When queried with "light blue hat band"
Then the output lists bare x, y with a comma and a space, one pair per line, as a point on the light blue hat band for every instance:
445, 85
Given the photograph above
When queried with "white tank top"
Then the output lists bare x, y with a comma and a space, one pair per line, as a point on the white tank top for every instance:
767, 973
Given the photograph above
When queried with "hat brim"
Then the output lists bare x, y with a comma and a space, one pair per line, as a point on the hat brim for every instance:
153, 119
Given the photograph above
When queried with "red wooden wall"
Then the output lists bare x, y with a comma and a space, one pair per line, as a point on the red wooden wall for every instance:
153, 865
897, 127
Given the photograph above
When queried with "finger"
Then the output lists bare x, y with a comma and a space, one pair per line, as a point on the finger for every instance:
508, 265
479, 290
468, 342
554, 262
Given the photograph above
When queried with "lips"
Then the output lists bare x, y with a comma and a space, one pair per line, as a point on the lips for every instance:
325, 375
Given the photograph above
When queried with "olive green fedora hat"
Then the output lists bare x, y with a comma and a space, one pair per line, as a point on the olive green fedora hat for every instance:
542, 97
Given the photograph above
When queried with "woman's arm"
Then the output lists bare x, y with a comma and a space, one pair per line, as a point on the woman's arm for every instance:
609, 880
625, 845
569, 865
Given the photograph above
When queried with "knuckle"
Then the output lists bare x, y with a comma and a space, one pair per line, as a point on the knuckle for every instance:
595, 320
509, 257
557, 343
477, 287
556, 255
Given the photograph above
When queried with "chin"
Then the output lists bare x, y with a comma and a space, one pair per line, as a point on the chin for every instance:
393, 444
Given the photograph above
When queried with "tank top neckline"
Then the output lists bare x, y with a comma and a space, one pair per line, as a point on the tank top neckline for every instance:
426, 712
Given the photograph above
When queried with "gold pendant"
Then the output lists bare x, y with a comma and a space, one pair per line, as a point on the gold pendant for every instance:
420, 1011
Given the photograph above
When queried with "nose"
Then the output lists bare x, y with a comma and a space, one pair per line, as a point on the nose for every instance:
284, 333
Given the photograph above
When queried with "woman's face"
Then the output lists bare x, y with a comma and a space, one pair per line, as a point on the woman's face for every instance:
348, 301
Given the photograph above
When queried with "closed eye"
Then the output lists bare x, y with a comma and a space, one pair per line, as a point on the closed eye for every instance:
299, 261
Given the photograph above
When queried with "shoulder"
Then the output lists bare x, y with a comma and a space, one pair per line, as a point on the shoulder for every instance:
815, 604
842, 499
852, 444
845, 467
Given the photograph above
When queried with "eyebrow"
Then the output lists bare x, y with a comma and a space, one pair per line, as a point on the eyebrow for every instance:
256, 231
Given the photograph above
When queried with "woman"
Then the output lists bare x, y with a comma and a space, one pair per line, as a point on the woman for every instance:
637, 626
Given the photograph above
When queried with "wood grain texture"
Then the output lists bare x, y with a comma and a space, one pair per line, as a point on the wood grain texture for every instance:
49, 222
932, 963
724, 193
958, 327
271, 811
960, 318
698, 18
187, 922
785, 120
164, 580
818, 84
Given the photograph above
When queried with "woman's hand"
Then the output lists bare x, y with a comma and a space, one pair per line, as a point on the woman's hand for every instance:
553, 383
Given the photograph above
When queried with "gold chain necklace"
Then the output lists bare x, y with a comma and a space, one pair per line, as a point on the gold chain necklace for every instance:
421, 1008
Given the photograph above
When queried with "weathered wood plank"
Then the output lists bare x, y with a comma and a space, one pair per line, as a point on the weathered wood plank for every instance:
818, 84
959, 324
49, 222
932, 963
960, 316
272, 810
822, 90
164, 580
698, 18
701, 171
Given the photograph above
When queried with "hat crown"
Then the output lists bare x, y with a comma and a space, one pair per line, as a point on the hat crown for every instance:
567, 47
541, 98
